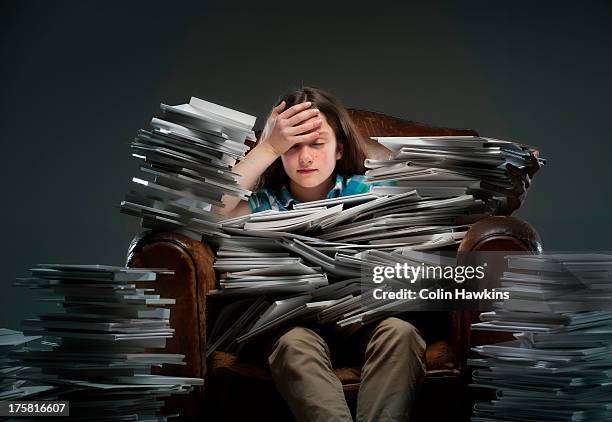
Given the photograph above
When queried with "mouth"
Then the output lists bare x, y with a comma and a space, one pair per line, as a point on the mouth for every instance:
306, 171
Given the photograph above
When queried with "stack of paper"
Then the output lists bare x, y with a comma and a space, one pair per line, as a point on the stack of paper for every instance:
276, 253
103, 362
188, 155
447, 166
288, 286
273, 287
396, 222
347, 300
560, 365
404, 221
302, 220
361, 307
258, 316
255, 265
12, 386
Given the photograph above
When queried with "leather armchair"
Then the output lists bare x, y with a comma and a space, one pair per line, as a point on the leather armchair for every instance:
236, 390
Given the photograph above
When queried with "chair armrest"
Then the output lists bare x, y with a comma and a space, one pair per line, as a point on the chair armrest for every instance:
497, 233
502, 233
192, 262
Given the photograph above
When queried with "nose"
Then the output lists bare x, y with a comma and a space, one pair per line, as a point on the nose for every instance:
305, 157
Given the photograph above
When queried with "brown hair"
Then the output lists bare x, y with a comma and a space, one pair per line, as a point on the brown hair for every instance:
346, 132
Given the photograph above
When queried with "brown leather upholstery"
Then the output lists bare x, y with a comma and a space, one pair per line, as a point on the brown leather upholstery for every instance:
238, 391
193, 276
371, 123
502, 233
439, 357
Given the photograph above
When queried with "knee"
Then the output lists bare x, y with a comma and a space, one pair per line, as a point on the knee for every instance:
399, 333
297, 337
295, 342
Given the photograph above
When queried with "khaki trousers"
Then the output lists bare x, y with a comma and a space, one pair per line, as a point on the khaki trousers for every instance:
393, 370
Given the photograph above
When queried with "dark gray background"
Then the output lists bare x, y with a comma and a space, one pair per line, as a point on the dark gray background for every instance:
80, 78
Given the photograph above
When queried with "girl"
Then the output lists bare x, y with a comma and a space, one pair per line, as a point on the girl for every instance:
309, 150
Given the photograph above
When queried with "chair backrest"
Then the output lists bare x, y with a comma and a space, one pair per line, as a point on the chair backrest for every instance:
371, 123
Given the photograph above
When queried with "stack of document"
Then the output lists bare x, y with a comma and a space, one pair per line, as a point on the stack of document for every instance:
187, 159
446, 166
12, 386
559, 367
108, 326
252, 265
346, 300
272, 286
356, 303
360, 222
404, 221
302, 220
335, 241
246, 319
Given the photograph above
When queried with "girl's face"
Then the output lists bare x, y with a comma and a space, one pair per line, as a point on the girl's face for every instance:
311, 164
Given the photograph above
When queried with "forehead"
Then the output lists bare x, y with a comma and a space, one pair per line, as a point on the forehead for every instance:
326, 130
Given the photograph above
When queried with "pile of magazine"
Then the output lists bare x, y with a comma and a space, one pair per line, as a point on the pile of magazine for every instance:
354, 223
187, 157
260, 265
308, 262
346, 300
447, 166
107, 330
559, 366
12, 386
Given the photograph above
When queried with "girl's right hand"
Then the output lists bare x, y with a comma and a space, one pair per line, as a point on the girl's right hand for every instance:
286, 128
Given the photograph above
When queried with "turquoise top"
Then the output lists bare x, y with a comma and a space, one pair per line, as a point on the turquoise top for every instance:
281, 200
